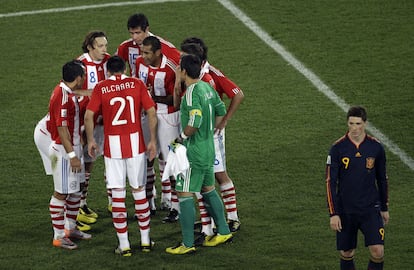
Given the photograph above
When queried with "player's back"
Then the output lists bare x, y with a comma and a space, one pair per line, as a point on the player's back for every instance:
121, 104
202, 104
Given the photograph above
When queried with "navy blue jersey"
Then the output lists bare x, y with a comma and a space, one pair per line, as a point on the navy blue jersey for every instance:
356, 178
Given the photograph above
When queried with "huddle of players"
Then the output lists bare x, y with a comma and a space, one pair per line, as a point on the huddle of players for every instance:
154, 61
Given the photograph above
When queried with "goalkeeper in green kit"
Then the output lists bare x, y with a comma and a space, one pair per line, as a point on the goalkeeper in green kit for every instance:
199, 108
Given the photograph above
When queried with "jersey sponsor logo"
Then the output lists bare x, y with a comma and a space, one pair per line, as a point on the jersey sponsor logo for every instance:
195, 112
216, 162
370, 161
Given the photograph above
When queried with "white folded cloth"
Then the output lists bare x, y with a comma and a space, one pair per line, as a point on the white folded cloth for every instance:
177, 162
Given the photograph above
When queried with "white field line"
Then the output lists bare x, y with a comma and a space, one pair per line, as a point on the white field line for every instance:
313, 78
118, 4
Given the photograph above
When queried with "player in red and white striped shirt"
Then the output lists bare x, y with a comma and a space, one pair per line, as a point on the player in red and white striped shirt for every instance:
66, 155
157, 71
121, 99
94, 58
130, 49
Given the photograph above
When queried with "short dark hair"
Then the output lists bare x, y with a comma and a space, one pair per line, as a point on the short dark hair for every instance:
192, 48
138, 20
90, 39
115, 64
152, 41
357, 111
200, 42
72, 69
191, 64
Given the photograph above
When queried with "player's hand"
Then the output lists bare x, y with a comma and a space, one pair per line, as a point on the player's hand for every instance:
76, 165
217, 131
385, 216
179, 140
151, 150
335, 223
221, 125
151, 90
93, 149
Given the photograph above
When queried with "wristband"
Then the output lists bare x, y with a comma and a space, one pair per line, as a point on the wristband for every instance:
183, 136
71, 155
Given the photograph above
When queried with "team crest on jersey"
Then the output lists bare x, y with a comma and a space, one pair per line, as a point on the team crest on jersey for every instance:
370, 161
358, 154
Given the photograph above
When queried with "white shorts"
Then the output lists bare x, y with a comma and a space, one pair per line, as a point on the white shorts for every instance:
220, 149
168, 130
42, 139
117, 170
65, 181
98, 134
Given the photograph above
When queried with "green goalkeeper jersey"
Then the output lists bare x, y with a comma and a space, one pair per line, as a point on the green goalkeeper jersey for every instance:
199, 108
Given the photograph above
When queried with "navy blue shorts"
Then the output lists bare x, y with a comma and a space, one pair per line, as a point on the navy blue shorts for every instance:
371, 226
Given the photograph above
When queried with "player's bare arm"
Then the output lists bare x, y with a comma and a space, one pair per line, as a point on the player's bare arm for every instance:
385, 216
234, 105
177, 88
93, 147
83, 92
152, 145
168, 100
65, 138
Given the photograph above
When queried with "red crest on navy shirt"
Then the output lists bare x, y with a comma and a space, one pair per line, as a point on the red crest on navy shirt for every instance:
370, 163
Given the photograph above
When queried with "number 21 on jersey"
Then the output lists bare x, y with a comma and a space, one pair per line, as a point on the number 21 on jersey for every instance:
123, 103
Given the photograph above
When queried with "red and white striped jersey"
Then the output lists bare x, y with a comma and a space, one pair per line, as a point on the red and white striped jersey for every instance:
64, 112
161, 79
129, 51
205, 76
95, 72
121, 99
223, 84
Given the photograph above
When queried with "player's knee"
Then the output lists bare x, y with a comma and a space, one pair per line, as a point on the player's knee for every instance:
347, 253
205, 189
222, 178
60, 196
377, 252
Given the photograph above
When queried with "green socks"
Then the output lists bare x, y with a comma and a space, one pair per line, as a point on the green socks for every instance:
187, 219
215, 208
